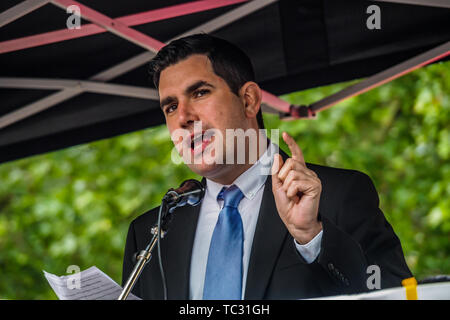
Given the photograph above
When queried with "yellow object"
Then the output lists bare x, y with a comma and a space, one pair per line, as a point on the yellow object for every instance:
410, 285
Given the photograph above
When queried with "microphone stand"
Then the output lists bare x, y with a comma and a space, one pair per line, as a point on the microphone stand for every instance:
144, 256
171, 200
142, 259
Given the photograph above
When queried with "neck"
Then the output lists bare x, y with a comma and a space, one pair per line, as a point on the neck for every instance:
230, 172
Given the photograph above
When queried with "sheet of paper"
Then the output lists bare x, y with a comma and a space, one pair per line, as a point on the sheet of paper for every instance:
90, 284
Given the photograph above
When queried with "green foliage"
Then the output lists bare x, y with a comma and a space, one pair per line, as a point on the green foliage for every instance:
73, 207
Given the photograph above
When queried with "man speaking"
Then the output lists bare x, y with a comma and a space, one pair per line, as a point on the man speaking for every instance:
289, 230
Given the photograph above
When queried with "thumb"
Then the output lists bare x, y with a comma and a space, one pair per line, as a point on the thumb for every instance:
276, 166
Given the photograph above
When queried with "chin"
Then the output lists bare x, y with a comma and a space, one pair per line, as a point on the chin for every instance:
206, 170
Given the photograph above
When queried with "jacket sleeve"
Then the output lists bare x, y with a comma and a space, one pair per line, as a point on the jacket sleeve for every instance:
358, 237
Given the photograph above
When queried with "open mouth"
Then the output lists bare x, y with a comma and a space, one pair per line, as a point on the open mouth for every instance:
199, 142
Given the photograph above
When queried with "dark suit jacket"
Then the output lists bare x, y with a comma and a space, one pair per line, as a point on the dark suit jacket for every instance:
355, 235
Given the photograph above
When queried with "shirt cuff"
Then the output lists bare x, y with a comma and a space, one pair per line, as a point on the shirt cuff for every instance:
311, 250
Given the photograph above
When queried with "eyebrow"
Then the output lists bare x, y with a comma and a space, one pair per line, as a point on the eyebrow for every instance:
187, 92
166, 101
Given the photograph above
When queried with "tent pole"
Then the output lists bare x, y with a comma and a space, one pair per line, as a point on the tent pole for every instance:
374, 81
113, 26
88, 86
20, 10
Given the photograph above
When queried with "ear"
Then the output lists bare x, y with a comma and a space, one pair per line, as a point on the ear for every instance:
251, 95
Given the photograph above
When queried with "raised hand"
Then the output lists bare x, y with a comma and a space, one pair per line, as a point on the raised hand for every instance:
296, 190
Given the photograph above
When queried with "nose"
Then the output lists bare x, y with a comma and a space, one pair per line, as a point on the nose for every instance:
186, 115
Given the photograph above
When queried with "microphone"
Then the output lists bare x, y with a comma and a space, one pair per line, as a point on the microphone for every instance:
190, 192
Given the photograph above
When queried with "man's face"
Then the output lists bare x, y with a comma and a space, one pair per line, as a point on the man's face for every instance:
190, 92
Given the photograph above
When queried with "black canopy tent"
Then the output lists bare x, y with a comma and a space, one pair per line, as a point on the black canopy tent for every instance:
94, 85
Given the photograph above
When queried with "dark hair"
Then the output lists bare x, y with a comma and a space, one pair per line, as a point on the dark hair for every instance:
228, 61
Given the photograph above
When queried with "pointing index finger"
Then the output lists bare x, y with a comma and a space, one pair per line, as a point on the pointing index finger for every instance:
297, 153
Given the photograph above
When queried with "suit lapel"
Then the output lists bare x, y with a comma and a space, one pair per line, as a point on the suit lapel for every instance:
268, 240
178, 251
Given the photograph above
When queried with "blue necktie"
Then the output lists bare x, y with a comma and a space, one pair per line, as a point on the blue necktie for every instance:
223, 278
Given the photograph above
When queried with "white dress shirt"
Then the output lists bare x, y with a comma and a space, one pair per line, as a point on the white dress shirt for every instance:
251, 183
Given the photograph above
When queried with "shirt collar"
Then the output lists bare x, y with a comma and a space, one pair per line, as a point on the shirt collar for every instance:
252, 179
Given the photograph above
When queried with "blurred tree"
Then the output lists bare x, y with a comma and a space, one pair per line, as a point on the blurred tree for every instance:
74, 206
